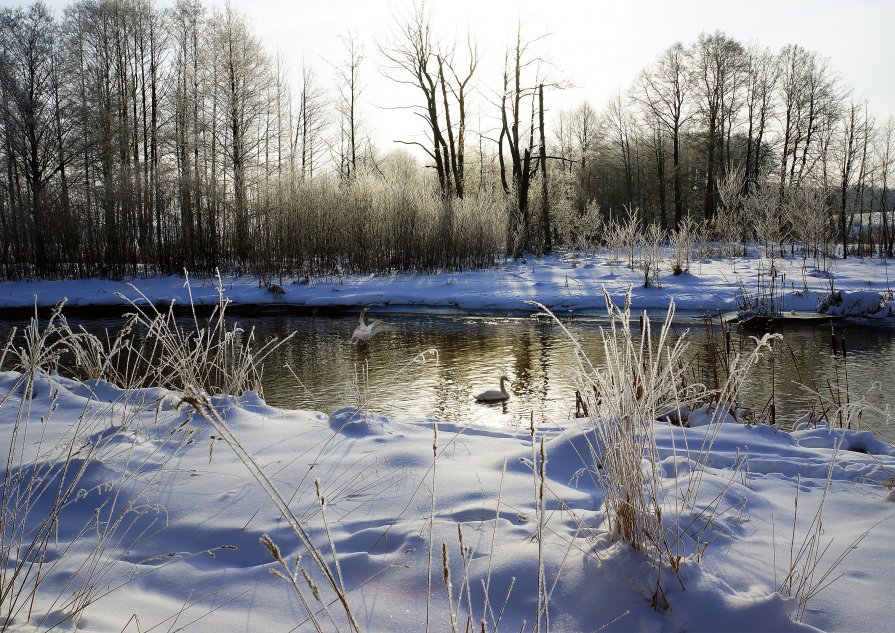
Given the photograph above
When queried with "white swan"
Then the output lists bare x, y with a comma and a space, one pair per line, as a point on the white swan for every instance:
364, 332
495, 395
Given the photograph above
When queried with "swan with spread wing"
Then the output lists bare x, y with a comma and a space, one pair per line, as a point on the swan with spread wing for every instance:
365, 331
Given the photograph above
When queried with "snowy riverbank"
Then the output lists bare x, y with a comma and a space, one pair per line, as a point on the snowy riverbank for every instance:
179, 519
150, 508
559, 283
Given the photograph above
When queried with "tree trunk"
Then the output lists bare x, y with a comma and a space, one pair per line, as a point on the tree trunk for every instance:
545, 198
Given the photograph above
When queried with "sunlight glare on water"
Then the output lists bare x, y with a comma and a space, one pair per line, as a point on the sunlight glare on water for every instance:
431, 366
538, 358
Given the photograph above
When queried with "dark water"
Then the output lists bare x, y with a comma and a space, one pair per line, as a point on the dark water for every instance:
320, 369
537, 356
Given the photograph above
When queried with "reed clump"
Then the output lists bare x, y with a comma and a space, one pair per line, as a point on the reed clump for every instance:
52, 520
61, 534
641, 380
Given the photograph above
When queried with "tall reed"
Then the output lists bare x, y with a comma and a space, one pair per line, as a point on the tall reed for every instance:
55, 522
639, 381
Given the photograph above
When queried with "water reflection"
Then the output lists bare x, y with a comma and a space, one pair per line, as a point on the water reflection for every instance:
538, 358
320, 369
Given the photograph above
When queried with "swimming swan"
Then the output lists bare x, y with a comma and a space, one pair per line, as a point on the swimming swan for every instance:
364, 332
495, 395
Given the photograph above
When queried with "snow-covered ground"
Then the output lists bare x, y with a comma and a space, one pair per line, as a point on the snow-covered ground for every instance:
180, 518
558, 283
144, 510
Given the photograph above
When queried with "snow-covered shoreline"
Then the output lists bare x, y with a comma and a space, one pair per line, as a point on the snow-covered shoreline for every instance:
192, 552
161, 507
561, 284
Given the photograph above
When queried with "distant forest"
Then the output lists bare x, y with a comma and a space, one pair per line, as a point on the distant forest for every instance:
140, 139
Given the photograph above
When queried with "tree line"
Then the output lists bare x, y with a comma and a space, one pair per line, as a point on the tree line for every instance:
137, 139
719, 115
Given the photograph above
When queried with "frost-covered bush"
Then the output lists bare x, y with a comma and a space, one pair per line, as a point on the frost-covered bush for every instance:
763, 212
579, 230
683, 242
729, 223
614, 238
622, 235
727, 228
629, 232
375, 224
807, 211
650, 255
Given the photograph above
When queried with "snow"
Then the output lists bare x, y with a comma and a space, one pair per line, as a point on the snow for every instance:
561, 283
858, 303
164, 524
189, 552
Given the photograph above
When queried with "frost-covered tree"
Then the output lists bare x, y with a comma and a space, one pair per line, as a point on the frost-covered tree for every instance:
33, 128
244, 71
852, 140
717, 61
885, 156
809, 98
664, 90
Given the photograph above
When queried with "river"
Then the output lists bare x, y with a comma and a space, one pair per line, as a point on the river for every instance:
320, 369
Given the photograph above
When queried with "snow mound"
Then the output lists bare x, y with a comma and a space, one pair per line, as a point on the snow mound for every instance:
191, 519
709, 414
823, 436
857, 303
355, 422
709, 604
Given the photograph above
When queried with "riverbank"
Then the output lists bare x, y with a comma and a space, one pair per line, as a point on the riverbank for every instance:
168, 505
163, 525
563, 284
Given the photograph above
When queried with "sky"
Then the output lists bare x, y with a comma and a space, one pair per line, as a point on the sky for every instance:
596, 46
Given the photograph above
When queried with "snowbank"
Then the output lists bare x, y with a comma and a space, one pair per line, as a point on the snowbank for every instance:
858, 303
191, 552
559, 283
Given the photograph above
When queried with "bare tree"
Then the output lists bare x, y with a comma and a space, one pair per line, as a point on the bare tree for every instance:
282, 120
852, 140
664, 89
312, 122
583, 136
809, 99
414, 58
885, 152
562, 139
761, 77
188, 33
411, 60
350, 90
30, 108
584, 122
519, 135
457, 85
716, 60
618, 129
656, 142
244, 72
546, 228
